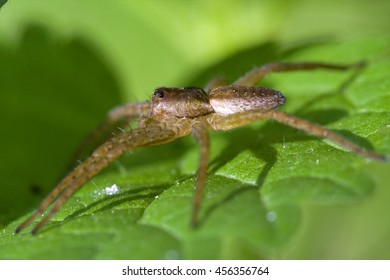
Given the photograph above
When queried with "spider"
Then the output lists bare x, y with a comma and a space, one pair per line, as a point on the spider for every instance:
177, 112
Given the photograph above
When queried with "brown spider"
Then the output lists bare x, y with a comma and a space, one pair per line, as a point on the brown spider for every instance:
176, 112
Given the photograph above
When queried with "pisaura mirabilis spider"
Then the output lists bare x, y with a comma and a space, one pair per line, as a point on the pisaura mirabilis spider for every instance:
177, 112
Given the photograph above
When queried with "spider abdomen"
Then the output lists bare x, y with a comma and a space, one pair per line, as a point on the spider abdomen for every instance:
232, 99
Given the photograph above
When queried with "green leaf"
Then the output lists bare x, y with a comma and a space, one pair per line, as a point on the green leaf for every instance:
260, 176
272, 191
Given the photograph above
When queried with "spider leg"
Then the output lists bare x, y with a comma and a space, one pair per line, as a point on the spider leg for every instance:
214, 83
235, 120
257, 74
200, 133
121, 116
103, 156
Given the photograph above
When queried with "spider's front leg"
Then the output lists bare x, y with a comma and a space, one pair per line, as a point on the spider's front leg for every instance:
218, 122
155, 133
116, 118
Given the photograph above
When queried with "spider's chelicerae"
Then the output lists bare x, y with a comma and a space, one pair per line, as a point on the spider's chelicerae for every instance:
176, 112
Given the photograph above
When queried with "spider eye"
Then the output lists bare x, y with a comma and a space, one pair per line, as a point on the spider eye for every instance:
159, 93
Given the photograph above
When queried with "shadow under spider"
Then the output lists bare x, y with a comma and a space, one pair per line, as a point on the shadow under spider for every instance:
339, 91
259, 141
208, 211
109, 202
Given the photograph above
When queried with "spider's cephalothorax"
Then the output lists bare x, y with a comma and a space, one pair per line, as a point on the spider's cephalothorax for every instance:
176, 112
188, 102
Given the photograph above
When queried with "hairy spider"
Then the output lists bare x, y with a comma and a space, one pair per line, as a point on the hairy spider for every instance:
176, 112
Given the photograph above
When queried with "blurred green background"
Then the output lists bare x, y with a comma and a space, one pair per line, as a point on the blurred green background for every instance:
64, 64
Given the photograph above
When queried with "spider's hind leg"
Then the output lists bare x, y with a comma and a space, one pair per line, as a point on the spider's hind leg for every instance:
256, 75
214, 83
243, 118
